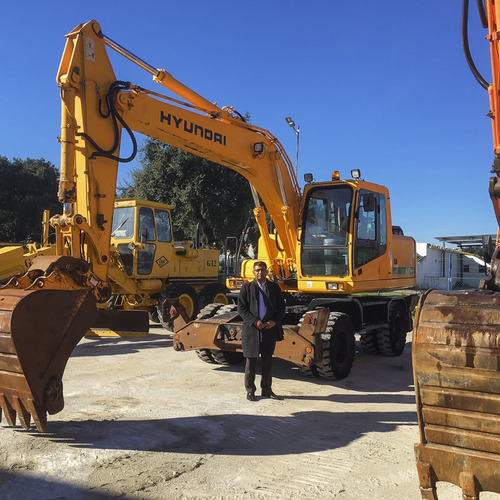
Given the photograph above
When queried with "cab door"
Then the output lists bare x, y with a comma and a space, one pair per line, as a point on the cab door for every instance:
155, 233
370, 242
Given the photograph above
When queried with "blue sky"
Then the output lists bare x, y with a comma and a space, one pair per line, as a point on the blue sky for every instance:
380, 85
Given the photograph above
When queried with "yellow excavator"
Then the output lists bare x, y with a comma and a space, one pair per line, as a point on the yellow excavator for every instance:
15, 259
331, 248
456, 345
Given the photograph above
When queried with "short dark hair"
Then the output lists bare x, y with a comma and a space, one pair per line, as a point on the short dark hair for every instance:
259, 263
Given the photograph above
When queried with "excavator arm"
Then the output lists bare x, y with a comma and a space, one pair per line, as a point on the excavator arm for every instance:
456, 346
96, 108
493, 17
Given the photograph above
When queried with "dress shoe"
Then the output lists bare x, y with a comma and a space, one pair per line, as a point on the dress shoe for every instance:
271, 395
251, 396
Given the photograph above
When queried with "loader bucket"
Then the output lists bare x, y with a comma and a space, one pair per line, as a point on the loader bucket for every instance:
38, 331
456, 366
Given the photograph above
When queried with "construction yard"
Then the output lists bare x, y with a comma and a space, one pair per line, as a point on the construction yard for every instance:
142, 421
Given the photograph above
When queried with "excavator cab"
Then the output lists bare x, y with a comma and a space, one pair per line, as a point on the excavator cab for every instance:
347, 245
142, 236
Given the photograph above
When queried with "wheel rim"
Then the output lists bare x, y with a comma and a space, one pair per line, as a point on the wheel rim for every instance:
187, 303
220, 298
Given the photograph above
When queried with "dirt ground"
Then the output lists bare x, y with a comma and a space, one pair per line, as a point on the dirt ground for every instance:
145, 422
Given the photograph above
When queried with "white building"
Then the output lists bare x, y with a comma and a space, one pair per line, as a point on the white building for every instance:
447, 268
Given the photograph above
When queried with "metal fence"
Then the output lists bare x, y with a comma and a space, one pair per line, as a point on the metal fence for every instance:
449, 283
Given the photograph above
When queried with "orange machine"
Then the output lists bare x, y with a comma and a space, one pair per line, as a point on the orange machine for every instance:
456, 349
349, 246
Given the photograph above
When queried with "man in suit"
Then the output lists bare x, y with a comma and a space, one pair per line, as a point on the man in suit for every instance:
262, 308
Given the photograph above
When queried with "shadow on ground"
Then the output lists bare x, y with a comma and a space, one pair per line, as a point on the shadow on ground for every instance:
229, 434
15, 485
112, 346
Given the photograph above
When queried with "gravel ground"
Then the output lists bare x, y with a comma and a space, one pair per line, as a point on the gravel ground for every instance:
145, 422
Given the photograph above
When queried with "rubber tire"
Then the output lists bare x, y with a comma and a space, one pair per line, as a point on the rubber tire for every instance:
207, 312
226, 357
153, 315
369, 343
339, 348
215, 293
392, 341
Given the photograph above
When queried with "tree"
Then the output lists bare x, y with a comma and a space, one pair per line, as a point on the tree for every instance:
28, 187
201, 192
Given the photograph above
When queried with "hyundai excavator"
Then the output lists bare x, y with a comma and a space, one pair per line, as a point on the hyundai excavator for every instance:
326, 245
456, 344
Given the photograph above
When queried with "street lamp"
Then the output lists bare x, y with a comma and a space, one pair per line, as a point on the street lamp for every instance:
297, 132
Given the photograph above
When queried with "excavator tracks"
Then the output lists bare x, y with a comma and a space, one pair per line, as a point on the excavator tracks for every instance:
38, 331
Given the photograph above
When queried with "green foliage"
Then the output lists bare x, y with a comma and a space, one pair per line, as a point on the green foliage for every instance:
201, 192
27, 188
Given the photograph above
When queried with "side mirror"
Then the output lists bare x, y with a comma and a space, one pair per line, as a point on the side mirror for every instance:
368, 202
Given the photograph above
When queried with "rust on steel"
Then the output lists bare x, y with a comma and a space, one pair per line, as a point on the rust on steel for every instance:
224, 333
456, 367
33, 356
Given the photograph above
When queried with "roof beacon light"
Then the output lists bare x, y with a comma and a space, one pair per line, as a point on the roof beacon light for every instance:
335, 175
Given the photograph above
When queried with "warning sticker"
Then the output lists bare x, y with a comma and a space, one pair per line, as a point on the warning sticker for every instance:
90, 49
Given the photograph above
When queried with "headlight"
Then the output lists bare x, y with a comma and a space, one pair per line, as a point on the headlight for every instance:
332, 286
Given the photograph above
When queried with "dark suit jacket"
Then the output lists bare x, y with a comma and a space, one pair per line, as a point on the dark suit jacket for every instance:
248, 309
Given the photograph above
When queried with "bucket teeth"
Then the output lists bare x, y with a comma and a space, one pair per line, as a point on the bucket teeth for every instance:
39, 328
22, 413
39, 416
25, 410
10, 413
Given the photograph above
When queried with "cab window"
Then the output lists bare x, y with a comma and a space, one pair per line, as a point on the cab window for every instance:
123, 223
163, 226
371, 227
146, 225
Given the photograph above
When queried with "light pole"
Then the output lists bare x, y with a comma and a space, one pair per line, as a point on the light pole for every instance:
297, 132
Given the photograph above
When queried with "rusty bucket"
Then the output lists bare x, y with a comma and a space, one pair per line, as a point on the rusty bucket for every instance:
38, 331
456, 366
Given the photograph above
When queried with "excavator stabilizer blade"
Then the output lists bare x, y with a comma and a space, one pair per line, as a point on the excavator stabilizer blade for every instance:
456, 365
38, 331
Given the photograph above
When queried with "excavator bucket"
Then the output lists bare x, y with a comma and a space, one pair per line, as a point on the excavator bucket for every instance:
456, 365
39, 328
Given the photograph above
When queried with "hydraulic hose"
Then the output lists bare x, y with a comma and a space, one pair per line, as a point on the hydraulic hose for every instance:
481, 8
465, 39
113, 89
